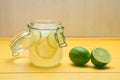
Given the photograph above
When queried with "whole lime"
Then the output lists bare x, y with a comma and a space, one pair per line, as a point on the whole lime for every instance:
79, 55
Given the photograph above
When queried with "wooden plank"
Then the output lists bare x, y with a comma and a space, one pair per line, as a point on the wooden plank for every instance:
22, 64
60, 76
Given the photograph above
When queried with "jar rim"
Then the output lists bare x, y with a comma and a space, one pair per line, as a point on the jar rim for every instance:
47, 22
45, 25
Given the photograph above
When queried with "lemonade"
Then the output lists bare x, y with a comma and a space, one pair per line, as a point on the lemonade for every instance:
46, 59
44, 41
45, 48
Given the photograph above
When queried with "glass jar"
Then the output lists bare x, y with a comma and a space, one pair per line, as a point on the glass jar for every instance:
44, 40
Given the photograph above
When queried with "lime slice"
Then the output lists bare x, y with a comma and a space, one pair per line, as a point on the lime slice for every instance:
79, 55
44, 50
52, 41
100, 57
36, 35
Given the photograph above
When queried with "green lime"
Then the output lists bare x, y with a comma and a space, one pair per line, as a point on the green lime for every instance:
52, 41
100, 57
79, 55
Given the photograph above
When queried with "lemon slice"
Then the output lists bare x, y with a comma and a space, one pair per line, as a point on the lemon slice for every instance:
52, 41
36, 35
44, 50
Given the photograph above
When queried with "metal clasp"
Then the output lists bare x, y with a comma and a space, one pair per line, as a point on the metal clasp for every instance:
60, 38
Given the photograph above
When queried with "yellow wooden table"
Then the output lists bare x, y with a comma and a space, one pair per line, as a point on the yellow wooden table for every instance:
20, 68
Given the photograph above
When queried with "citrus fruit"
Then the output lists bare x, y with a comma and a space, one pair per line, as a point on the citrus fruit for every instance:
52, 41
43, 49
79, 55
100, 57
36, 35
47, 46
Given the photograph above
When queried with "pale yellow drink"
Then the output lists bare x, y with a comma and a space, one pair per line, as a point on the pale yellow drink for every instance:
45, 61
45, 50
44, 40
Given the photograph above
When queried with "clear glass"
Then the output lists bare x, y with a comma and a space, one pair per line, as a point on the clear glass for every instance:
44, 40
